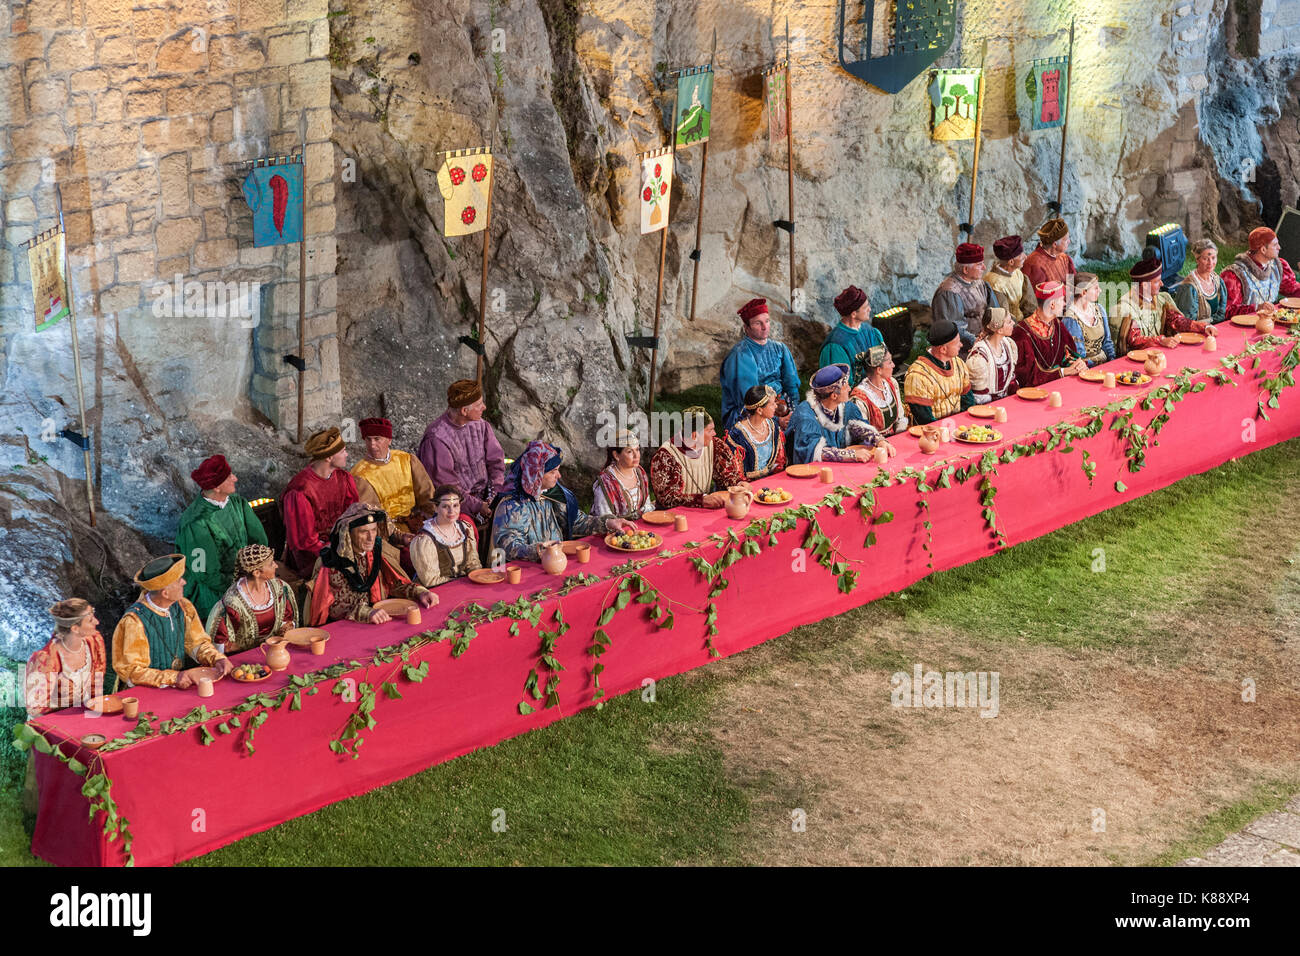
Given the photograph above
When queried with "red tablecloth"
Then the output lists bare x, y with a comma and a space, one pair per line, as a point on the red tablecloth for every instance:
182, 798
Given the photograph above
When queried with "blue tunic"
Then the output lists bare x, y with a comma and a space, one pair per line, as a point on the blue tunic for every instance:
844, 345
749, 364
815, 435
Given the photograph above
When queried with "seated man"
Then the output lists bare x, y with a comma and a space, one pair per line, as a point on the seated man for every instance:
937, 384
963, 296
161, 630
357, 570
535, 509
1044, 347
314, 499
1257, 279
1146, 316
212, 530
686, 469
460, 448
1050, 262
393, 481
1011, 287
756, 360
824, 426
848, 342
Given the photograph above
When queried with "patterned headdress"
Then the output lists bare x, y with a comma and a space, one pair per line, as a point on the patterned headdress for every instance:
525, 477
249, 559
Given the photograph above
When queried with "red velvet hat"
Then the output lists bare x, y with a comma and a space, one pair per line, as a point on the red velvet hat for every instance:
1048, 290
211, 473
752, 308
1146, 270
1008, 247
1261, 237
850, 300
371, 427
969, 253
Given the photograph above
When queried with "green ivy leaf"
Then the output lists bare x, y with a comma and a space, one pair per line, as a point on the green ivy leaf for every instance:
1121, 487
524, 708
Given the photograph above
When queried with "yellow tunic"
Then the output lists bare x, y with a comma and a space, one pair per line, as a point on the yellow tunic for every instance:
928, 385
396, 486
131, 648
1014, 292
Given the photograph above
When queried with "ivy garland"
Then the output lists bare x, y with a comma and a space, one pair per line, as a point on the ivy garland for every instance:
461, 625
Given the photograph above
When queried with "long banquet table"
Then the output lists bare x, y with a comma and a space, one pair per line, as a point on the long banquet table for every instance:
182, 797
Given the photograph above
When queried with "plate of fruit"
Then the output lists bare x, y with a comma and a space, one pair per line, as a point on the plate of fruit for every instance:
1286, 316
773, 496
248, 673
978, 435
637, 540
1132, 378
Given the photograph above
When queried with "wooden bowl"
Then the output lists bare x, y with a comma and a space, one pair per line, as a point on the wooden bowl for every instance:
94, 741
106, 704
395, 607
211, 673
303, 636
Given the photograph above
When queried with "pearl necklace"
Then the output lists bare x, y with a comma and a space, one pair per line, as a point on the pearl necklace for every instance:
1213, 285
754, 437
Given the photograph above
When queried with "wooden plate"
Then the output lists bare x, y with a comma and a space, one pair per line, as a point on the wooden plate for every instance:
94, 741
916, 431
997, 437
1032, 394
573, 547
107, 704
1191, 338
801, 471
981, 411
303, 636
1291, 303
251, 680
657, 517
1140, 355
1093, 375
486, 576
211, 673
1141, 381
609, 540
396, 607
1244, 320
786, 500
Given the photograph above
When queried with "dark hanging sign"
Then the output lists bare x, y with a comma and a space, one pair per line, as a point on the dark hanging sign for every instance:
909, 41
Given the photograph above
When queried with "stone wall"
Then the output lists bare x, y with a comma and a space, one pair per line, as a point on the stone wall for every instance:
140, 111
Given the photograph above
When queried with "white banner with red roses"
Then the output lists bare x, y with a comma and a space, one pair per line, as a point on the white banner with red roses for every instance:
464, 179
656, 188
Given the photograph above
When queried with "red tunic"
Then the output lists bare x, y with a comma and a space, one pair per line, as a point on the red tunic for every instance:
1040, 356
310, 507
1232, 285
1039, 267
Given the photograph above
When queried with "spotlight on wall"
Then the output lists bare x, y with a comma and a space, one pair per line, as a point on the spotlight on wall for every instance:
1172, 243
895, 327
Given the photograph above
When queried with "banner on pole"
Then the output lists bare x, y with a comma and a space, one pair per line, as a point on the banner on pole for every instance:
49, 280
954, 104
1045, 85
465, 179
694, 105
273, 190
774, 103
656, 188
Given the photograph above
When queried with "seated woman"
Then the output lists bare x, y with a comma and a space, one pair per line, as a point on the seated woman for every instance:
992, 360
879, 397
257, 606
70, 668
357, 570
827, 424
756, 437
1087, 322
1202, 296
535, 509
1045, 349
623, 488
446, 546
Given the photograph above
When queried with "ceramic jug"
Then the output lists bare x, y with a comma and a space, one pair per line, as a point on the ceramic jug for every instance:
554, 560
738, 500
276, 653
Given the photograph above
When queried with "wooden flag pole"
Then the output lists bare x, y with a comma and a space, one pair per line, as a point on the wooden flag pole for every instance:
663, 254
789, 152
487, 231
1065, 125
704, 169
302, 296
969, 224
76, 360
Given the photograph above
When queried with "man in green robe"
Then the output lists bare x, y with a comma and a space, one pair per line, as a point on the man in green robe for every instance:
212, 529
849, 342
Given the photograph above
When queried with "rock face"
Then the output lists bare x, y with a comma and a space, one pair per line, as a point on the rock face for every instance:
1169, 103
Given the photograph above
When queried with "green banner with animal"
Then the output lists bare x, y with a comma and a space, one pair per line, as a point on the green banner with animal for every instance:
694, 105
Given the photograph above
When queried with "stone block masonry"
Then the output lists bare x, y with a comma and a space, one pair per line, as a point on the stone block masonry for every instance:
141, 111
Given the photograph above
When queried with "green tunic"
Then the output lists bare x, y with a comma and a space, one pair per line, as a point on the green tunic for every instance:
209, 537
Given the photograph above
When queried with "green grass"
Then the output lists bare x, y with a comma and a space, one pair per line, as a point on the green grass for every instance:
709, 396
1117, 271
1265, 798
